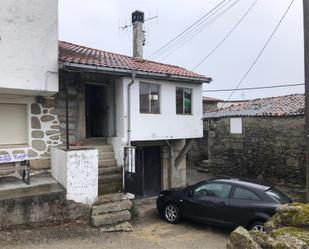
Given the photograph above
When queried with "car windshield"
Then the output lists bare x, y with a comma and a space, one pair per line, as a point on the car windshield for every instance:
278, 195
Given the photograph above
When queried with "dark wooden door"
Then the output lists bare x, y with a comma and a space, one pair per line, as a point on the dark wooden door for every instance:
134, 181
146, 181
152, 170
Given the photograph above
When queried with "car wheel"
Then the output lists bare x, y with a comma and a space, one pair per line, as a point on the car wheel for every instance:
258, 226
172, 213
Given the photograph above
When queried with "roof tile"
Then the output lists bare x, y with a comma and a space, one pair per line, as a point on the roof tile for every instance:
72, 53
288, 105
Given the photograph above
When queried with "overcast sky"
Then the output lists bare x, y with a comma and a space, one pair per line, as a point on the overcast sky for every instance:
96, 23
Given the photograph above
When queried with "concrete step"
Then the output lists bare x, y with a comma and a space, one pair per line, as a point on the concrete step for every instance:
111, 218
111, 198
107, 188
110, 178
107, 162
110, 170
106, 155
111, 207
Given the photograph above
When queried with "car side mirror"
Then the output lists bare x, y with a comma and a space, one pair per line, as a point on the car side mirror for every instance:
190, 194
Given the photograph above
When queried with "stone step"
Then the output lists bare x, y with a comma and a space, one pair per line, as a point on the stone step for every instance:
106, 155
94, 141
110, 178
111, 218
111, 198
120, 227
107, 162
107, 188
111, 207
110, 170
203, 170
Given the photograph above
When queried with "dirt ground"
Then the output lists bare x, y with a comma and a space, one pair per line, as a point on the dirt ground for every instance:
149, 232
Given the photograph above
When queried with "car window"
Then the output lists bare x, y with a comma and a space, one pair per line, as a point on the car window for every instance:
278, 195
245, 194
213, 189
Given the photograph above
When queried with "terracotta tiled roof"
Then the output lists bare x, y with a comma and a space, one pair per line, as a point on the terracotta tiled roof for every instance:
288, 105
72, 53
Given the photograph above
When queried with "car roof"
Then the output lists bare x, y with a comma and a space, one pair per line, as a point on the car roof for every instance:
249, 183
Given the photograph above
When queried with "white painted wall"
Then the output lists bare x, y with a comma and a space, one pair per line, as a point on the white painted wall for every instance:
164, 126
29, 46
77, 171
167, 124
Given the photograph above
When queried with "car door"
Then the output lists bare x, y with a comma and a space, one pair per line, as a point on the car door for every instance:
244, 203
208, 203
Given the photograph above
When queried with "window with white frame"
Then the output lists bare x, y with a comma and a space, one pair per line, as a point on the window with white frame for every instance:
236, 125
13, 125
149, 98
183, 100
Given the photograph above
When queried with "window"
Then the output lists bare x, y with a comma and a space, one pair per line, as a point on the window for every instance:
13, 125
236, 125
245, 194
219, 190
149, 98
183, 100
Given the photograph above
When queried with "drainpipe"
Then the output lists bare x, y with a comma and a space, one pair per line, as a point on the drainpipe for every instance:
128, 123
66, 112
172, 163
129, 108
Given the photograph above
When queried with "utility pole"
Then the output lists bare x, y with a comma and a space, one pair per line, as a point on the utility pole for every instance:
306, 50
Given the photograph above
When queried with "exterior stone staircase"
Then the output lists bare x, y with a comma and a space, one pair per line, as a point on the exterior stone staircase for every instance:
110, 176
111, 213
203, 166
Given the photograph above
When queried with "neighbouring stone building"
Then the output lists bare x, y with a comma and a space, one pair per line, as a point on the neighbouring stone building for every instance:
262, 138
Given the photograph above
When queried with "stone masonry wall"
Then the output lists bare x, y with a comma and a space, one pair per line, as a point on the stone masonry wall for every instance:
44, 132
270, 148
73, 104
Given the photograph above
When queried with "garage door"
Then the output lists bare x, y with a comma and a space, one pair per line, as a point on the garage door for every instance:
13, 124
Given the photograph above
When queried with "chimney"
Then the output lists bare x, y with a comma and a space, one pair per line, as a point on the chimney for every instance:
138, 34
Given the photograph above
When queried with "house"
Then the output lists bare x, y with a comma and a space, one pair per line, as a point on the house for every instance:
146, 110
210, 103
139, 115
261, 138
29, 74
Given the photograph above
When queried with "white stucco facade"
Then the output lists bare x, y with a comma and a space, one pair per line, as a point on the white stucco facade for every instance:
29, 44
151, 127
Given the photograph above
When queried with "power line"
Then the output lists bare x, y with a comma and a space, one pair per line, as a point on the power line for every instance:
190, 37
194, 31
183, 32
227, 35
262, 50
254, 88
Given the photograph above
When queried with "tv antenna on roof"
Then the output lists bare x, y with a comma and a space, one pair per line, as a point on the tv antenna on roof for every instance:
130, 25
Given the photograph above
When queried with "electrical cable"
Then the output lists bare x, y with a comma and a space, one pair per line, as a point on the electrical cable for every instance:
187, 29
225, 38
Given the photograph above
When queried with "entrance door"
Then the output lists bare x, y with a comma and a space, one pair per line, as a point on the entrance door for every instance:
146, 181
96, 111
152, 170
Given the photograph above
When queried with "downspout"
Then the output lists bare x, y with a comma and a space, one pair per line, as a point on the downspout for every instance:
128, 124
129, 108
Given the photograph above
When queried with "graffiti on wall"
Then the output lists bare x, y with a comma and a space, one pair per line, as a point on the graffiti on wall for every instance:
8, 158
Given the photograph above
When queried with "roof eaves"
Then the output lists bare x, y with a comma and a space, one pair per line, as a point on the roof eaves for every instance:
70, 65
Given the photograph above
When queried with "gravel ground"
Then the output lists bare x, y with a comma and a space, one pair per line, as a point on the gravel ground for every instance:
149, 231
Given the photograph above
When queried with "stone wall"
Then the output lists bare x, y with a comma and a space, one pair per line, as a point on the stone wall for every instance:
74, 98
198, 151
270, 148
40, 209
44, 132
